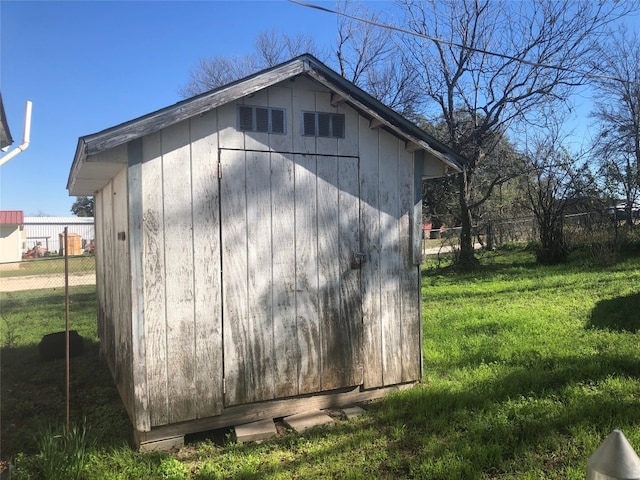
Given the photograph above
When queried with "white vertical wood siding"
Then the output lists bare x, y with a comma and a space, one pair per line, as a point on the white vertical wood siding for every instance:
114, 286
270, 249
181, 265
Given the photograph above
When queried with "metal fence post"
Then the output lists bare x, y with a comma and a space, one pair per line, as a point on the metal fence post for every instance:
615, 459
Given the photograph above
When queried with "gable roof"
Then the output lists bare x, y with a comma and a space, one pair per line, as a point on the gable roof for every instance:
93, 144
11, 217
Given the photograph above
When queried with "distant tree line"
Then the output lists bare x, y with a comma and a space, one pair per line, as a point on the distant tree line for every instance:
83, 207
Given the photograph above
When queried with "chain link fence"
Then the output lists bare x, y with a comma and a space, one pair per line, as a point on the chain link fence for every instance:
593, 230
32, 293
46, 273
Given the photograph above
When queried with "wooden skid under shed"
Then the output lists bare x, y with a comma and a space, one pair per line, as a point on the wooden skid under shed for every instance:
167, 437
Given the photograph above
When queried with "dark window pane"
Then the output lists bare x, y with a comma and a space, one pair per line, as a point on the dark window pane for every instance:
309, 123
337, 124
277, 121
262, 119
246, 118
324, 124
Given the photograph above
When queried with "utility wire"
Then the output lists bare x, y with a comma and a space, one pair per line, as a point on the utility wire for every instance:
454, 44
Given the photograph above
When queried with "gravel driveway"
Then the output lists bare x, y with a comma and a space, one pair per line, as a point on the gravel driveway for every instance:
35, 282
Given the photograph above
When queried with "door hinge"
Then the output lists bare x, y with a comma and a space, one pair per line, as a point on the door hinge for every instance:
219, 170
224, 386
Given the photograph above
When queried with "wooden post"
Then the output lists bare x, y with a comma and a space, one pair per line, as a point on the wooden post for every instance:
66, 320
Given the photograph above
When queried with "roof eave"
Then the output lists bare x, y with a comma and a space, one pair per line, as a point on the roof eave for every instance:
395, 122
79, 159
165, 117
92, 145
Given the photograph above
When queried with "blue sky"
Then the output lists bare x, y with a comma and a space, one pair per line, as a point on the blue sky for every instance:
90, 65
87, 66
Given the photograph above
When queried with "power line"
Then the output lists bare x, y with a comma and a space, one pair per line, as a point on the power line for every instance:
458, 45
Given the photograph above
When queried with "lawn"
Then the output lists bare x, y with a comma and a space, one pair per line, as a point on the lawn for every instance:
527, 369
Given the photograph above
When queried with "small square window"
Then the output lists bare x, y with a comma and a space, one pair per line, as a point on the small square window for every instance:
321, 124
261, 119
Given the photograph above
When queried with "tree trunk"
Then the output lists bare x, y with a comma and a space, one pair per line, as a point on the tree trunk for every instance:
552, 246
467, 259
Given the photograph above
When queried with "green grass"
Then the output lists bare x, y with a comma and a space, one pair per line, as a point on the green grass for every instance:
526, 370
50, 266
32, 391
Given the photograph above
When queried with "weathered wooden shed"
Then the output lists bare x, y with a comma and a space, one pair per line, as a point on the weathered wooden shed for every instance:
258, 250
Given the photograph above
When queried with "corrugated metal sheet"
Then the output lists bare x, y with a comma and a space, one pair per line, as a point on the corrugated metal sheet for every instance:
47, 230
11, 217
59, 220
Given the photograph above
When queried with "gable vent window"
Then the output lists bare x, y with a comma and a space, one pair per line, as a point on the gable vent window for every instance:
261, 119
320, 124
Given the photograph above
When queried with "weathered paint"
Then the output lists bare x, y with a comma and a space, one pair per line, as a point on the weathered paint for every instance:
135, 242
251, 282
206, 265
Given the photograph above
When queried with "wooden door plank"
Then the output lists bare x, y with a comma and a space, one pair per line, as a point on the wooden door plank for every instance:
177, 204
306, 248
234, 277
349, 247
332, 350
260, 353
284, 257
207, 270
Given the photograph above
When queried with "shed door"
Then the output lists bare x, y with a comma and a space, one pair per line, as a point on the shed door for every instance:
292, 314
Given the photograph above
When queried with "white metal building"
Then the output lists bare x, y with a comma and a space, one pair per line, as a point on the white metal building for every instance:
47, 230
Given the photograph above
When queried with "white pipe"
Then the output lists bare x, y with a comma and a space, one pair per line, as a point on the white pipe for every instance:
26, 137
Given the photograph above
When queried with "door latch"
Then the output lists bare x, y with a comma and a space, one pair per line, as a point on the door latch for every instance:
358, 259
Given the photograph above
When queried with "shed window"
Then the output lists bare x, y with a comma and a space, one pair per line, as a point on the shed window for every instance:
321, 124
261, 119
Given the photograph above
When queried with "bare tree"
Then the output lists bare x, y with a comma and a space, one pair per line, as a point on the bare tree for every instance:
367, 55
364, 53
499, 63
271, 48
553, 182
617, 110
497, 172
214, 72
